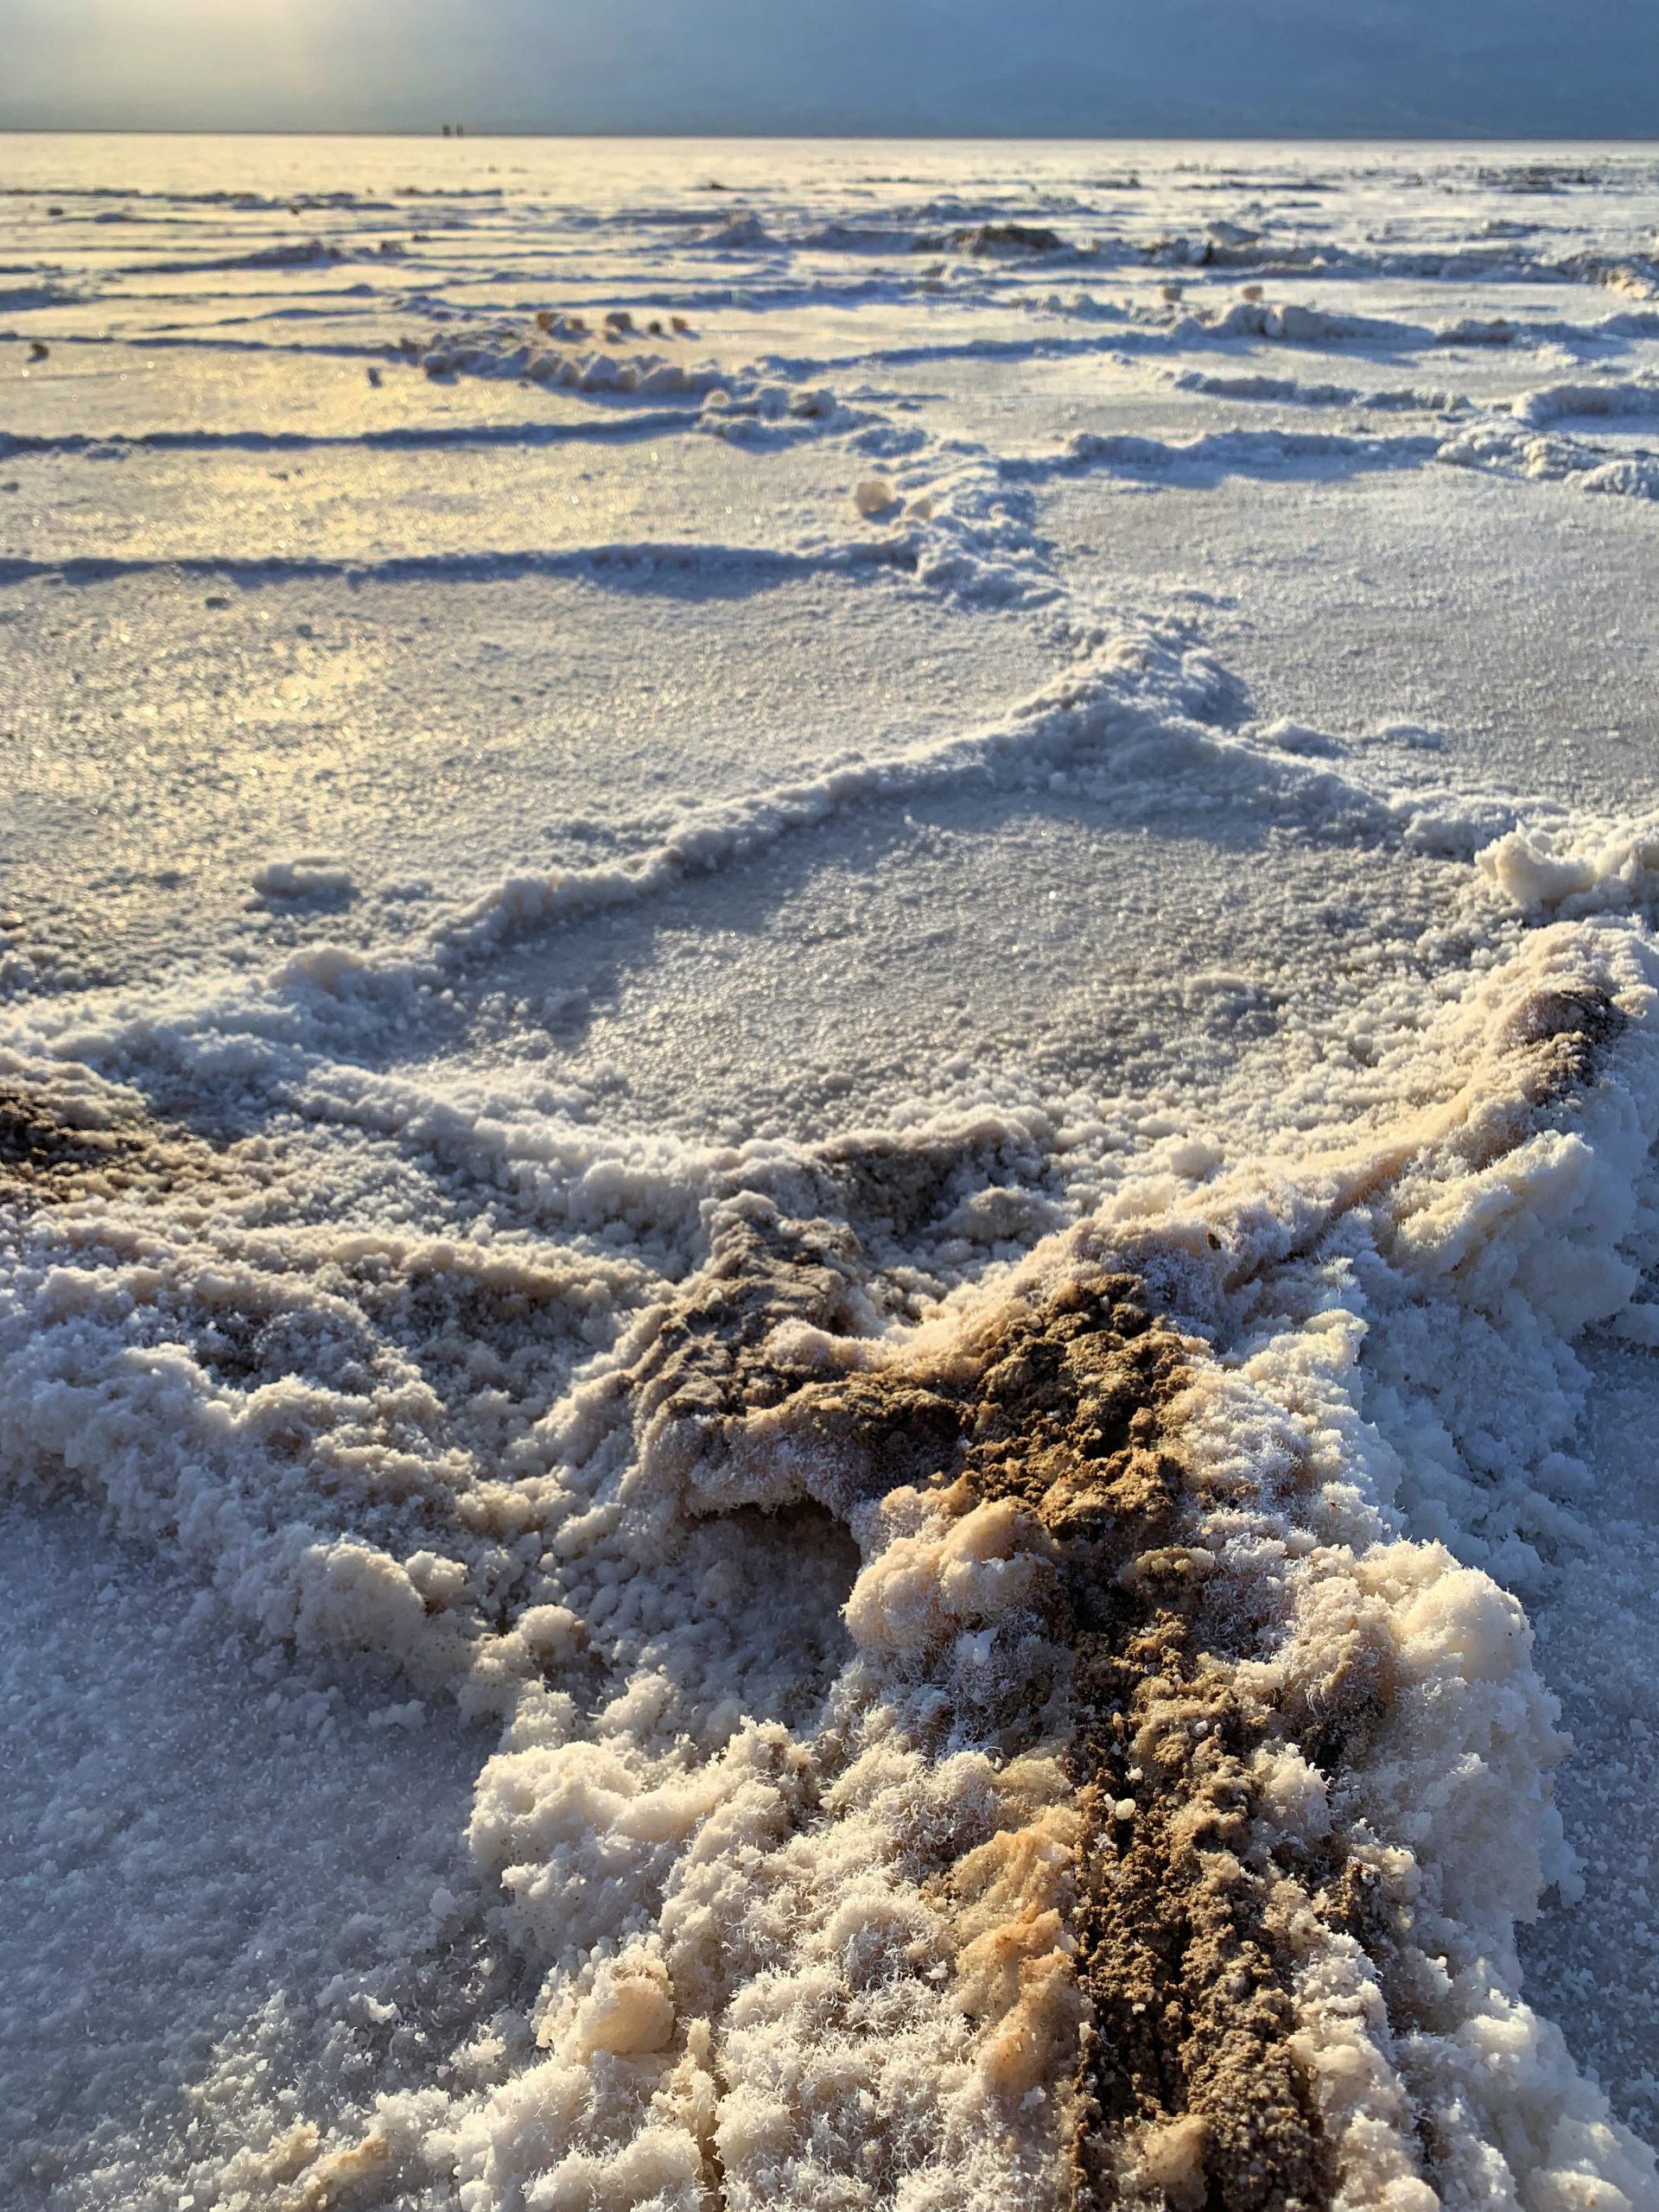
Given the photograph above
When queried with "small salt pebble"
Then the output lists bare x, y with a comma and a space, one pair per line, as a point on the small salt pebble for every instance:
1124, 1808
874, 496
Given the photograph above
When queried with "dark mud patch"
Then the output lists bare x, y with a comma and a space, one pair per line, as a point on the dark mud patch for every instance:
1565, 1033
48, 1156
989, 240
81, 1137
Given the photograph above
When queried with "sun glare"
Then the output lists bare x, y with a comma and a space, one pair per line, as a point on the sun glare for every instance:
170, 54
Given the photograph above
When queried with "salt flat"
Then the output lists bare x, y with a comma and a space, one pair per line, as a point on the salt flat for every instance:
827, 1225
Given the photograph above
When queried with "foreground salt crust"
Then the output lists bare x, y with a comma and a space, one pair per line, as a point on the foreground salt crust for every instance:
841, 1895
1407, 1762
814, 1849
869, 1690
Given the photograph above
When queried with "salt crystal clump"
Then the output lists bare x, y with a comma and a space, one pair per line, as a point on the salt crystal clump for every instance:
306, 876
924, 1587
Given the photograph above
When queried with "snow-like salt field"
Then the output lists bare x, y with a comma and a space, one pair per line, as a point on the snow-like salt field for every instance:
828, 1076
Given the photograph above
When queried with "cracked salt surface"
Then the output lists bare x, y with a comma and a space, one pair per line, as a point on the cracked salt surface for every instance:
611, 1039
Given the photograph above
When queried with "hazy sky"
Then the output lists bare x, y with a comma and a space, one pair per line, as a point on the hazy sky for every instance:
1067, 68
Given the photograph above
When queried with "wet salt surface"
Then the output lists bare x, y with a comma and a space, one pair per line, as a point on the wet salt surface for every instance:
950, 742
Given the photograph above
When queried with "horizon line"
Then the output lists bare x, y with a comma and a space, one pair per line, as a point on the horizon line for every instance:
1428, 135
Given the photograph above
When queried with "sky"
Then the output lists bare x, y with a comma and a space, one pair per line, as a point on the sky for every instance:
1038, 68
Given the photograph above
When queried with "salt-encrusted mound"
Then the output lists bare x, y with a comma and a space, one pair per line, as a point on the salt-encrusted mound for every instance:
1163, 1838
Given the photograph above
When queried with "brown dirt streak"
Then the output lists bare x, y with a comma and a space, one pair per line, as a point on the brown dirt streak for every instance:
1187, 1979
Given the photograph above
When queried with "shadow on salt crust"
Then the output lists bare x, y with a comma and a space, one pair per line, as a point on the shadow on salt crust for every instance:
220, 1881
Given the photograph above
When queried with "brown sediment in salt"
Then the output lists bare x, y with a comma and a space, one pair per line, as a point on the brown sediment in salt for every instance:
1189, 2086
72, 1136
1189, 2090
1151, 1945
53, 1150
1564, 1030
1060, 1412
